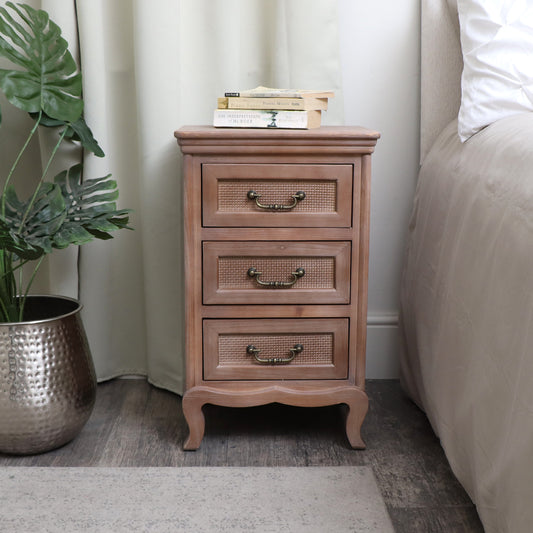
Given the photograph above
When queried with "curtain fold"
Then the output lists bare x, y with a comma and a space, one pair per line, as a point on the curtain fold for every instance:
149, 68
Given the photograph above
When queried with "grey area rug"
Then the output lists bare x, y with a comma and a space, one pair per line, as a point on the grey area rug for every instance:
192, 500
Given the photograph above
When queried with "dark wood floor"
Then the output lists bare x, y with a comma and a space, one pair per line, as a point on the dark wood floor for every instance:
135, 424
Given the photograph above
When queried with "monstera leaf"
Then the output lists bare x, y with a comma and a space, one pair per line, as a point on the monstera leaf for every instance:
90, 208
47, 79
26, 229
46, 83
76, 131
65, 212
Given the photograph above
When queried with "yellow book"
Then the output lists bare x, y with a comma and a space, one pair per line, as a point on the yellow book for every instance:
268, 92
307, 103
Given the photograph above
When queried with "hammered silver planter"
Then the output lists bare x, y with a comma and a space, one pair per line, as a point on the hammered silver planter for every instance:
48, 383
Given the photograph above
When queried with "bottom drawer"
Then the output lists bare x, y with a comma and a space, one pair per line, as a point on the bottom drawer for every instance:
275, 349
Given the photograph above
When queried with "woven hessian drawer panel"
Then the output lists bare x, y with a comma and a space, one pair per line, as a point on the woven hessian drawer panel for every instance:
318, 348
320, 271
325, 277
327, 190
324, 353
321, 195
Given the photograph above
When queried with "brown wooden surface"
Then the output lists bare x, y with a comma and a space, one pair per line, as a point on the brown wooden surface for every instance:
211, 155
276, 260
355, 400
234, 180
334, 139
332, 363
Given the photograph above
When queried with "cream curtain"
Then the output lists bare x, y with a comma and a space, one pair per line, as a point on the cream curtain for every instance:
150, 67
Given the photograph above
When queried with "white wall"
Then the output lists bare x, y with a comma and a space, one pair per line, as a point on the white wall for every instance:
381, 71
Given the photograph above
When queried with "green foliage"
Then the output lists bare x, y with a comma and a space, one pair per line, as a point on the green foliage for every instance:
65, 212
48, 77
69, 210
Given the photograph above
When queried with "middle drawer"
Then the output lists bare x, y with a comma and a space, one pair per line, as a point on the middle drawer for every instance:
274, 272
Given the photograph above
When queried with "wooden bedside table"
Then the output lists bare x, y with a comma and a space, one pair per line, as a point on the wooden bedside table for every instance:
276, 267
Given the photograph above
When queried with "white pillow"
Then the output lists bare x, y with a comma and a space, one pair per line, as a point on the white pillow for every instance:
497, 45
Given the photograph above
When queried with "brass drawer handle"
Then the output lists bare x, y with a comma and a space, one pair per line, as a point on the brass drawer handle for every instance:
298, 273
299, 196
252, 350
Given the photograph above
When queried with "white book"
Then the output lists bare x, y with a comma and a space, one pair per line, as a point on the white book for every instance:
261, 118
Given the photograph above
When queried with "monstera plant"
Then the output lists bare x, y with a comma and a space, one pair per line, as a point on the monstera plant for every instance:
63, 210
47, 375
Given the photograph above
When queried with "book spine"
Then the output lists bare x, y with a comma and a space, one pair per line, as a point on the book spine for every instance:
234, 118
264, 94
302, 104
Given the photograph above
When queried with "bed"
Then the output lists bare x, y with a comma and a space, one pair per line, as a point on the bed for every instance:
466, 310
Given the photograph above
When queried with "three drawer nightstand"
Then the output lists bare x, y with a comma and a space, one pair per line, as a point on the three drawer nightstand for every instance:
276, 266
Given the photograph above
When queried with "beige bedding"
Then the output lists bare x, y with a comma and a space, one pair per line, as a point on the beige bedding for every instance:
467, 313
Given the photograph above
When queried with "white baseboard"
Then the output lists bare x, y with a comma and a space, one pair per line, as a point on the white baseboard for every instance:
382, 346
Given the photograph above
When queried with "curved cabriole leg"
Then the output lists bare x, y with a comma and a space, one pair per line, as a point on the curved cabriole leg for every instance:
192, 410
357, 408
196, 397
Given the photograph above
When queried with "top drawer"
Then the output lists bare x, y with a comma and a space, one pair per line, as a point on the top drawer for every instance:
228, 202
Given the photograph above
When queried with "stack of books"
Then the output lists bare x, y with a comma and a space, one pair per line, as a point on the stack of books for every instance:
264, 107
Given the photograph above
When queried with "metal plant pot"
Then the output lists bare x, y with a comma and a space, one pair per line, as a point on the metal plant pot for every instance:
47, 378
